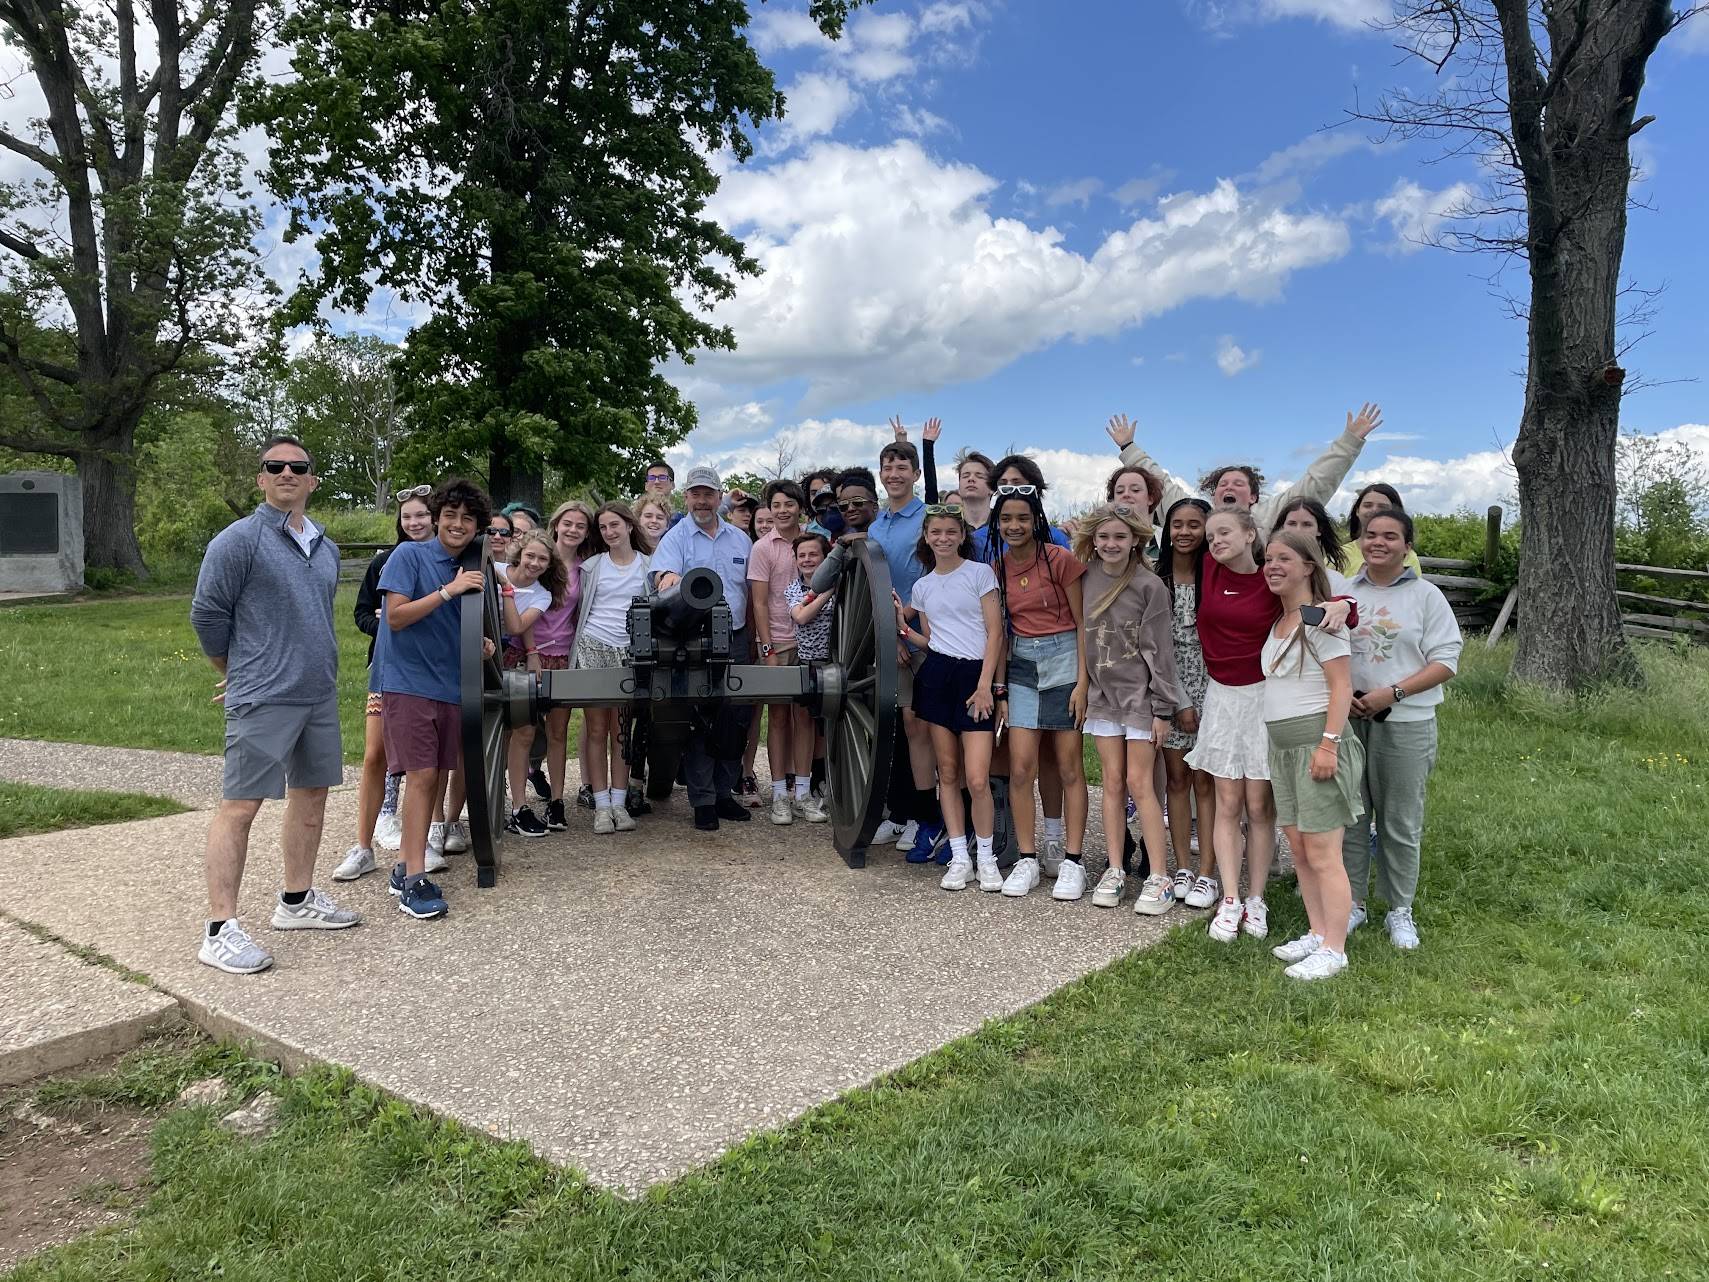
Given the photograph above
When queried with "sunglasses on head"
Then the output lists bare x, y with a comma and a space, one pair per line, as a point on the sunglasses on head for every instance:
274, 466
943, 509
414, 492
1025, 491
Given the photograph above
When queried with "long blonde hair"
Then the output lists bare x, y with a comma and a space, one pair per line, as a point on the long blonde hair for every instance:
591, 544
1085, 548
1309, 551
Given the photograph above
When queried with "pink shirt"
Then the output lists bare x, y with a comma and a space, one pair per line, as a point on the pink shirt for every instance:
772, 562
555, 630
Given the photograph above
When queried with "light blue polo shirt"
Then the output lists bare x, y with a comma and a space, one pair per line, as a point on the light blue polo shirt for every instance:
686, 546
423, 659
898, 533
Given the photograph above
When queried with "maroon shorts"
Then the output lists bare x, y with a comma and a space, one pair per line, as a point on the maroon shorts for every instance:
420, 734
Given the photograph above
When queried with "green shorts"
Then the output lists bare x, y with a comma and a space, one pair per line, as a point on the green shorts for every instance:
1301, 801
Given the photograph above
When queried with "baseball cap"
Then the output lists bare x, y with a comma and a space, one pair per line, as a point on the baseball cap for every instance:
702, 475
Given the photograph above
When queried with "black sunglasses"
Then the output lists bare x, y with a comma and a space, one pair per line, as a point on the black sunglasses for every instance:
498, 532
274, 466
854, 505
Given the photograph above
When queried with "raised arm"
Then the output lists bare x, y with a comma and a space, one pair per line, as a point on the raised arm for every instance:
1324, 476
1121, 430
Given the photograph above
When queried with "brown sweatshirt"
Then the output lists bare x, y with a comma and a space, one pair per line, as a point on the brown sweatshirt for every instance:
1130, 649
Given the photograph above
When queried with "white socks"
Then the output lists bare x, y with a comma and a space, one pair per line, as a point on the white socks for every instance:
802, 787
779, 788
619, 798
611, 799
958, 847
983, 845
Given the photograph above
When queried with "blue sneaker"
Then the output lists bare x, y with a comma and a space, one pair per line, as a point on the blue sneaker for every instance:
395, 886
925, 843
421, 899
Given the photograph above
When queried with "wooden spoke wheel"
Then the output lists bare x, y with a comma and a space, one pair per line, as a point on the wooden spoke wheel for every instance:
858, 700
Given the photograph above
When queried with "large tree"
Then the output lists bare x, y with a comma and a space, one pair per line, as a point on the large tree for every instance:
1545, 93
341, 398
534, 172
129, 235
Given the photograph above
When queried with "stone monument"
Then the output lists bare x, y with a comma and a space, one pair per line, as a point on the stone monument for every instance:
41, 532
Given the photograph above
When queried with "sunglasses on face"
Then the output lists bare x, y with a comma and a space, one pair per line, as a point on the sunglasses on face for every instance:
1025, 491
414, 492
274, 466
854, 505
497, 532
943, 509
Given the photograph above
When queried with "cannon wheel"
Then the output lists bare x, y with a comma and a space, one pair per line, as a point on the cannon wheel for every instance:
486, 729
858, 701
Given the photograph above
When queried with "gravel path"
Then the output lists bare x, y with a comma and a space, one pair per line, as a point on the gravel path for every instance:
187, 777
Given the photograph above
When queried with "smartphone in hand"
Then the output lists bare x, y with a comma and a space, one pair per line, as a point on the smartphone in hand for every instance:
1312, 614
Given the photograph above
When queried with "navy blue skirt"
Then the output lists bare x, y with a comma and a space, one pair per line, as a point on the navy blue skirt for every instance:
942, 688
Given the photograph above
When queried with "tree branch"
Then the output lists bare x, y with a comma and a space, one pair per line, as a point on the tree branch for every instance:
19, 246
29, 151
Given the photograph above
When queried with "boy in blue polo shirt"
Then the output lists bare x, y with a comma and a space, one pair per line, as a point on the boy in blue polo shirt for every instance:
418, 656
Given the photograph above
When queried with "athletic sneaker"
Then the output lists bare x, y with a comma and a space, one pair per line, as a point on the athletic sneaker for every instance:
1021, 879
435, 861
525, 823
584, 797
1156, 897
317, 912
960, 868
1111, 886
358, 862
926, 838
990, 876
538, 781
421, 899
457, 838
887, 833
1204, 893
556, 819
1322, 964
1050, 856
1403, 933
1356, 918
1297, 949
395, 883
782, 812
910, 834
810, 809
1070, 881
604, 822
749, 793
233, 951
389, 831
1257, 920
1183, 884
436, 837
1225, 926
622, 818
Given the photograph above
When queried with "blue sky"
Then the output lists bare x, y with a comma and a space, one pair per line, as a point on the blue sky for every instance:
1024, 217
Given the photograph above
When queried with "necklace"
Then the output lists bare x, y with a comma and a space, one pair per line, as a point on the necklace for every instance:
1031, 565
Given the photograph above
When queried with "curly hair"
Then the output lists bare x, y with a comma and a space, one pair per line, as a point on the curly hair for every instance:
1253, 476
456, 492
1153, 486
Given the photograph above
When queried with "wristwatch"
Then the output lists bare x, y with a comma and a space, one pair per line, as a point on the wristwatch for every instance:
1333, 738
1398, 693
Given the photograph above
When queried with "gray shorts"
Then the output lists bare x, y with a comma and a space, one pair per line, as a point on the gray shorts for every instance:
271, 747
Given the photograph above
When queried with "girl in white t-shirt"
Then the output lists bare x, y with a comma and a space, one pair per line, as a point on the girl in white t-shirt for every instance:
1314, 771
957, 617
610, 582
533, 582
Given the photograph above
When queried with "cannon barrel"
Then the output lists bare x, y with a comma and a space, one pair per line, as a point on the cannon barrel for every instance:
681, 607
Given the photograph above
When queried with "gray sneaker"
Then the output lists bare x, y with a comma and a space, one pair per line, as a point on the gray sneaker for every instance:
1109, 890
435, 861
1403, 931
233, 951
358, 862
317, 912
457, 838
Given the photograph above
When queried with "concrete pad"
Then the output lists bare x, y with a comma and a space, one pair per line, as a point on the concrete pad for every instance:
630, 1005
57, 1011
188, 778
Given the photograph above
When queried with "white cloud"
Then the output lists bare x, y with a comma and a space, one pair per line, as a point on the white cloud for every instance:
1693, 37
1471, 481
1416, 215
1079, 192
776, 29
1308, 155
875, 46
1353, 15
815, 104
917, 122
1231, 358
946, 16
884, 270
1140, 191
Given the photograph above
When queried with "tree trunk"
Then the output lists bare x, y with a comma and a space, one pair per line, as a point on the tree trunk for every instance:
108, 476
511, 479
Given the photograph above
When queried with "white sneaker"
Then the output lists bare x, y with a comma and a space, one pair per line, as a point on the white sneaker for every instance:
436, 837
1322, 964
1070, 881
233, 951
1204, 893
781, 811
1110, 888
990, 876
435, 861
457, 837
1183, 884
1403, 933
1356, 918
887, 833
810, 809
389, 831
624, 821
909, 835
960, 869
604, 822
1050, 856
1156, 897
1297, 949
1225, 926
1021, 879
317, 912
358, 862
1257, 920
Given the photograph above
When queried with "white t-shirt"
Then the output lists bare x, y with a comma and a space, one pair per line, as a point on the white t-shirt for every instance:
532, 597
951, 603
617, 586
1294, 683
305, 537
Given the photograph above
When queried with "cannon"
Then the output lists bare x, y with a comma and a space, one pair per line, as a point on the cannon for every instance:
681, 673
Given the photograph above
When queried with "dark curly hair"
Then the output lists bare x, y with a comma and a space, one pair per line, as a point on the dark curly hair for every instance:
457, 492
1253, 476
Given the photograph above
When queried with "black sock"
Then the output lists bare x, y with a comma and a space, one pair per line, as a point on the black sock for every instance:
293, 897
927, 808
214, 928
818, 775
1070, 857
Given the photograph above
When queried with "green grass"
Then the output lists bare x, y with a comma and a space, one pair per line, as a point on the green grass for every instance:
1526, 1097
26, 808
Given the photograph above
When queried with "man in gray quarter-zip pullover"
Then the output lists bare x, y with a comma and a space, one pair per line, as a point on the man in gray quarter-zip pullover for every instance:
263, 615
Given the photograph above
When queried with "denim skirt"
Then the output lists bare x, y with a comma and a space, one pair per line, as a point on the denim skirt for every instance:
1041, 677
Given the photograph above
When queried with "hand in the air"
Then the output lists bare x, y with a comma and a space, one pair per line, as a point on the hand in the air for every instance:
1367, 420
1121, 431
932, 430
897, 426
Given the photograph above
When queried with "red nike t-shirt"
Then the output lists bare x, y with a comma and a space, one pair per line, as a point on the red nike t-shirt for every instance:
1236, 613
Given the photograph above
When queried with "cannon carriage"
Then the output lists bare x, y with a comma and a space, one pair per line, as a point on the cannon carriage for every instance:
681, 675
